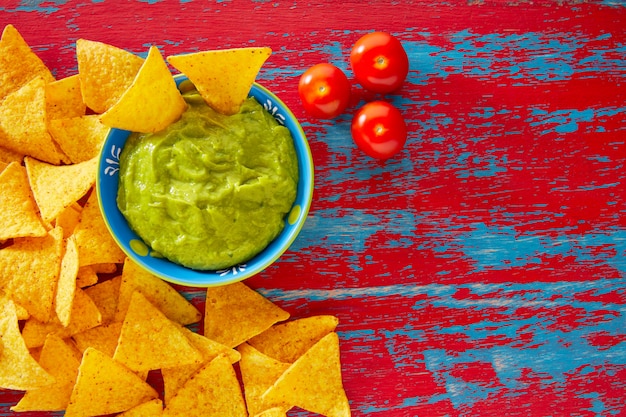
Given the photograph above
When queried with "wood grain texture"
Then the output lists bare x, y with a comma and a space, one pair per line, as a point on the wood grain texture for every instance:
483, 271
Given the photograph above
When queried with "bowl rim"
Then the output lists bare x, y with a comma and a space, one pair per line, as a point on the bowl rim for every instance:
269, 255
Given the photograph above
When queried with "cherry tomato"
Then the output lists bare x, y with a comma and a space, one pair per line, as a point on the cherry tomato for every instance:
324, 91
379, 129
379, 62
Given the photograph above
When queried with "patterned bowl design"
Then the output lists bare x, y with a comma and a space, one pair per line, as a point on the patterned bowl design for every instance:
137, 250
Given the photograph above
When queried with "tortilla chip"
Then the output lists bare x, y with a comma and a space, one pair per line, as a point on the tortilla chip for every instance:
210, 349
151, 103
18, 369
149, 340
161, 294
60, 360
24, 122
19, 213
57, 187
80, 138
35, 332
18, 63
105, 268
84, 315
288, 341
152, 408
95, 243
32, 266
7, 155
87, 276
213, 391
104, 386
234, 313
259, 372
106, 295
223, 77
103, 338
68, 219
21, 312
272, 412
105, 73
66, 286
313, 382
64, 98
175, 378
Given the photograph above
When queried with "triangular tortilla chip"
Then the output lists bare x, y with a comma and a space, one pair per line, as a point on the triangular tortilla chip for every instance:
288, 341
95, 243
68, 219
234, 313
105, 73
32, 265
149, 340
60, 360
210, 349
213, 391
84, 315
19, 214
272, 412
18, 63
57, 187
161, 294
313, 382
174, 378
151, 103
87, 276
80, 138
8, 155
64, 98
105, 267
152, 408
25, 124
259, 372
223, 77
106, 295
22, 314
18, 369
103, 338
104, 386
66, 286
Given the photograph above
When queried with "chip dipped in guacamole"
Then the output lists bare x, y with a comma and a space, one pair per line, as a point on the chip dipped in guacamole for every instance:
211, 190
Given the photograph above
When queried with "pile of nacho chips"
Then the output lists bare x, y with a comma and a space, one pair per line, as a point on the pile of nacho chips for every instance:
123, 328
65, 121
84, 329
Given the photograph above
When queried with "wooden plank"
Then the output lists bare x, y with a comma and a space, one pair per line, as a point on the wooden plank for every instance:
481, 272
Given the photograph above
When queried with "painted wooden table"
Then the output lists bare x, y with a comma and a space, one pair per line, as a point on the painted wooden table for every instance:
482, 272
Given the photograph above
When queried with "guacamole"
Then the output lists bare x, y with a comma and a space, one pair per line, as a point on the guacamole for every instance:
210, 191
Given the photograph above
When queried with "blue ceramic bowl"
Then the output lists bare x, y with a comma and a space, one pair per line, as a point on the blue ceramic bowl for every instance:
133, 246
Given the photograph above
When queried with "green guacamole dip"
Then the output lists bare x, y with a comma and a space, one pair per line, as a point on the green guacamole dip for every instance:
210, 191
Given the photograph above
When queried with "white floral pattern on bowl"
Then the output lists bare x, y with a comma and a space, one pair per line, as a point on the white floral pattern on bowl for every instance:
273, 110
113, 163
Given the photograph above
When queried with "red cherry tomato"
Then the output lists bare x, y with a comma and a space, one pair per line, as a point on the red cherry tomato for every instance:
379, 129
379, 62
324, 91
